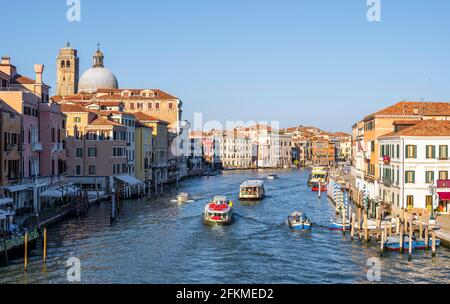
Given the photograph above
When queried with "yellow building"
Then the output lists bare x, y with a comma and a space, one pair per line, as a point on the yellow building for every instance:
159, 145
144, 142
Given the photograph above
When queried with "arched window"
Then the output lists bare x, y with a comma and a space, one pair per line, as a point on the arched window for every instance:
63, 64
68, 64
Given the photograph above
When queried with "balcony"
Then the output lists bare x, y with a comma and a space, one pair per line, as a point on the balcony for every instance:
57, 147
387, 182
36, 147
10, 147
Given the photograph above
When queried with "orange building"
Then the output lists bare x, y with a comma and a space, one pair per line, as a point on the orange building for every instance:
383, 122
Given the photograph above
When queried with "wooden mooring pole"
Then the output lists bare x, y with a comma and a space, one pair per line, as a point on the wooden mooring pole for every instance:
366, 229
343, 221
433, 243
45, 246
25, 260
401, 240
427, 238
352, 232
410, 239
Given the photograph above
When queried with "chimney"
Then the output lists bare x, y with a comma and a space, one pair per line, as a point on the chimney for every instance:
38, 69
6, 60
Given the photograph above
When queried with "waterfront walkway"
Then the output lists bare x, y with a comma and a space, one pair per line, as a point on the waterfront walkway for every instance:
444, 232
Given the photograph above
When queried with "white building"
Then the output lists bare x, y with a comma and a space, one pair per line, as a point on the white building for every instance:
412, 160
358, 155
235, 150
274, 150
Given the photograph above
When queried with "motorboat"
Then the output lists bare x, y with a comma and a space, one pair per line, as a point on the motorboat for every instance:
252, 189
218, 212
183, 197
297, 220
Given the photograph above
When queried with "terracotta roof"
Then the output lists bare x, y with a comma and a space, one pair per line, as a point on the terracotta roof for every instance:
146, 117
23, 79
107, 112
79, 96
407, 122
108, 103
116, 94
424, 128
72, 107
411, 108
342, 134
101, 121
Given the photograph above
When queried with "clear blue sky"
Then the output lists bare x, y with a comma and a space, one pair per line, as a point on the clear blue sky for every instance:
314, 62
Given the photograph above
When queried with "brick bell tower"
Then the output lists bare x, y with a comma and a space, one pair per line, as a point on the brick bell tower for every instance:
67, 71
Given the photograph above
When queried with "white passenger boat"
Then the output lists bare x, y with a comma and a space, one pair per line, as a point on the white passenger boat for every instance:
183, 197
252, 189
218, 212
272, 176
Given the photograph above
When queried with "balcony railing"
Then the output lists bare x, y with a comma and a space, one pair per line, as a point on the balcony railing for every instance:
387, 181
57, 147
10, 147
36, 147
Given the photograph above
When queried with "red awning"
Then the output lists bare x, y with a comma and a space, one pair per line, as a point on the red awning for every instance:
445, 196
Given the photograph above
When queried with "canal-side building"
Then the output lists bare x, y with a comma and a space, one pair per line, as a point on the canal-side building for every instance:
274, 150
129, 121
52, 132
235, 150
28, 97
410, 161
322, 152
358, 155
160, 146
97, 148
381, 123
10, 155
144, 152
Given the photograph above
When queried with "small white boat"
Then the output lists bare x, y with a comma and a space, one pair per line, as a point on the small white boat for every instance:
183, 197
252, 189
272, 176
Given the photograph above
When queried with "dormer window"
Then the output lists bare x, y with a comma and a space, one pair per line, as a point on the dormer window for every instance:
147, 94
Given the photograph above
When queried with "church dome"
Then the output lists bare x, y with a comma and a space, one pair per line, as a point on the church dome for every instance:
97, 78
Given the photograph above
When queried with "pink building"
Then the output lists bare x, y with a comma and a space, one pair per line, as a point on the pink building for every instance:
24, 95
52, 130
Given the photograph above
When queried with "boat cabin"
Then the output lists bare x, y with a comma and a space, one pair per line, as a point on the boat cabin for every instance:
252, 189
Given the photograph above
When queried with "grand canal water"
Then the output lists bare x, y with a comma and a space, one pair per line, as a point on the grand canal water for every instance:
158, 241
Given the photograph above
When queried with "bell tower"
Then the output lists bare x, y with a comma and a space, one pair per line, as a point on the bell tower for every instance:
67, 71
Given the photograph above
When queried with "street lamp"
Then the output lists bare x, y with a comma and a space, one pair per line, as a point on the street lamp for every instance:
434, 195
